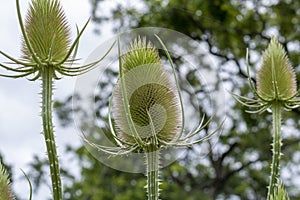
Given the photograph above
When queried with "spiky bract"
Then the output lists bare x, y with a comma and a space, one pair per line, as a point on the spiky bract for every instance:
276, 79
47, 30
154, 105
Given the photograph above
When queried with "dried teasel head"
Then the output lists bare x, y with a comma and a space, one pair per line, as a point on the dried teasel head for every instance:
276, 80
152, 96
47, 30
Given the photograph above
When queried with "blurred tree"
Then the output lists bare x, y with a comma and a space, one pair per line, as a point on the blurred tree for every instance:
238, 165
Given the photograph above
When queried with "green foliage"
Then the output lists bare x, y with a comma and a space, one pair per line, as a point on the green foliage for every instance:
101, 182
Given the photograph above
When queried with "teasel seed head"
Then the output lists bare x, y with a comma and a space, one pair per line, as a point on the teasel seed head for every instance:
276, 80
152, 97
47, 30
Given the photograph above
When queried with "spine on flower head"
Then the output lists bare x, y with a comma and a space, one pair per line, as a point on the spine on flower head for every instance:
276, 80
151, 94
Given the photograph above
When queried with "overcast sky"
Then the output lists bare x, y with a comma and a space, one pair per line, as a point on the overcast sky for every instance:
20, 123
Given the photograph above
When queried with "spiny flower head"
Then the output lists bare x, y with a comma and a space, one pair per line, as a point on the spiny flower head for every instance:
147, 105
276, 80
47, 44
153, 103
47, 30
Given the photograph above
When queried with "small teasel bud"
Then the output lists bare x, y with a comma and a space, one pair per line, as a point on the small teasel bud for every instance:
47, 30
280, 193
152, 96
276, 80
5, 191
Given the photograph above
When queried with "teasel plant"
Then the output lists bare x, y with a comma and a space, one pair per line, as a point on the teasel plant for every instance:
146, 113
47, 54
276, 90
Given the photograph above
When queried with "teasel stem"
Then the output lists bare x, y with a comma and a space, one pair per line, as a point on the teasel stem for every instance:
275, 165
152, 162
47, 89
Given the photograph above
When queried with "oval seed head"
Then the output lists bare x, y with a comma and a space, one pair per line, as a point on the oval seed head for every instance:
47, 30
153, 103
5, 191
276, 80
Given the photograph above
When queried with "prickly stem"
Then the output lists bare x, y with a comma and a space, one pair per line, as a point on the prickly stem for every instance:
153, 181
275, 165
47, 87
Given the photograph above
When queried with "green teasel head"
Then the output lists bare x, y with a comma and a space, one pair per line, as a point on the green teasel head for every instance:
276, 80
46, 43
5, 191
145, 111
47, 30
152, 96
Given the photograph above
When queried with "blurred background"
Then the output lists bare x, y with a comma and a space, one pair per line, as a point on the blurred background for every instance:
238, 165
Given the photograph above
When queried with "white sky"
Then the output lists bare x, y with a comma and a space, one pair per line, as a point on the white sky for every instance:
20, 123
